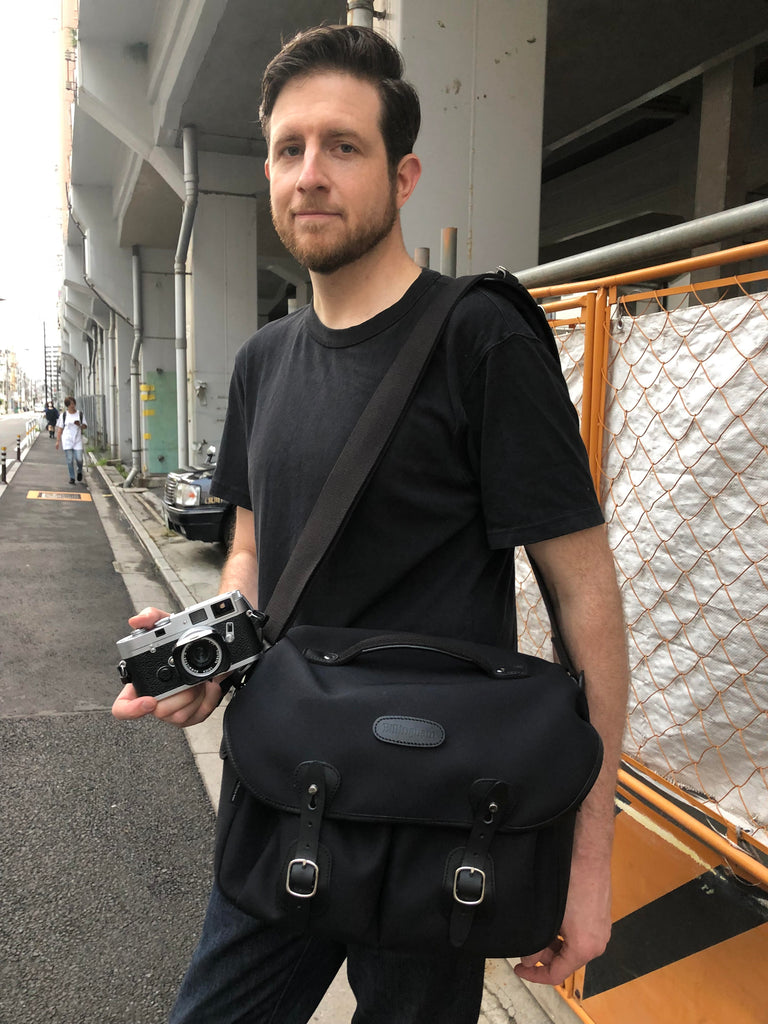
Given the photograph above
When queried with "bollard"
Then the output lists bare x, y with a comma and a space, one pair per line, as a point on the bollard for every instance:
2, 479
18, 447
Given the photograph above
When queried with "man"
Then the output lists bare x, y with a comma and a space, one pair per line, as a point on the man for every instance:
487, 458
69, 436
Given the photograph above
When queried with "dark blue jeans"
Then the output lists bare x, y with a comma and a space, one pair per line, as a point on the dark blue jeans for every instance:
247, 972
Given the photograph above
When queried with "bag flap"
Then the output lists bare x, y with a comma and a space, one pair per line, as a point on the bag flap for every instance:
408, 731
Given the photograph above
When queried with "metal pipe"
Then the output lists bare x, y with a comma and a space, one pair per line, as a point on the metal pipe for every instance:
740, 860
112, 392
191, 180
421, 256
645, 248
360, 12
448, 239
101, 374
138, 340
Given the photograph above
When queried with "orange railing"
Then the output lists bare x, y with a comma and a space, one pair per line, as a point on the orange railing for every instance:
671, 380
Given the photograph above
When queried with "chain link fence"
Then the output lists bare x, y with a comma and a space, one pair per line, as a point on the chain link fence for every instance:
683, 480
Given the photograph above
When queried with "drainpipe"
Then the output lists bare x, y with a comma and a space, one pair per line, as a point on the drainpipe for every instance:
112, 382
138, 339
180, 288
102, 385
361, 12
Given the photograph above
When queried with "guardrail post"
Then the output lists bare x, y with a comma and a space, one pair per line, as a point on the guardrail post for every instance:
18, 447
2, 479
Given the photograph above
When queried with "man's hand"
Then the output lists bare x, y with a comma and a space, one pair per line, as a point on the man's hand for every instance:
188, 707
585, 930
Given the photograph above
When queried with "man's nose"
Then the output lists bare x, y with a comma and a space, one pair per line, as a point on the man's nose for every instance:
313, 170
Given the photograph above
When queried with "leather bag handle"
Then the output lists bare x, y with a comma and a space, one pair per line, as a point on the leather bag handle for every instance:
500, 668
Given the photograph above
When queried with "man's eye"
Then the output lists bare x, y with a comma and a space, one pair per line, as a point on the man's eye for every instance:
346, 147
290, 151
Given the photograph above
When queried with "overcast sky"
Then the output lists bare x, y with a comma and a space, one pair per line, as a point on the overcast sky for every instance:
30, 219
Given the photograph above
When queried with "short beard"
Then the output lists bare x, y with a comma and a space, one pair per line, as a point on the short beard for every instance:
328, 260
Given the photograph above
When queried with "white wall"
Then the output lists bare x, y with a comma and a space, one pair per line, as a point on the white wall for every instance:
222, 305
478, 66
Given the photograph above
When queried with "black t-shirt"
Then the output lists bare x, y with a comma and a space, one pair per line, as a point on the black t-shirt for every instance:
487, 457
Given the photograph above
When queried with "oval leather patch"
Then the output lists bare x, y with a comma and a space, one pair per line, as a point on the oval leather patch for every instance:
408, 732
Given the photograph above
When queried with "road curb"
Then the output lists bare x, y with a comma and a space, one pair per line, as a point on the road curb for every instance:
169, 575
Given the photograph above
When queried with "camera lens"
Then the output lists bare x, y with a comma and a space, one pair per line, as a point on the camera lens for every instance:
201, 657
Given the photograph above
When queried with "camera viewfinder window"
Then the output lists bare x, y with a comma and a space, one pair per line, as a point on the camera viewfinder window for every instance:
224, 607
198, 615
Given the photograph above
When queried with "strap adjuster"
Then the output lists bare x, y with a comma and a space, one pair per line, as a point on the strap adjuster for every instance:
301, 878
469, 885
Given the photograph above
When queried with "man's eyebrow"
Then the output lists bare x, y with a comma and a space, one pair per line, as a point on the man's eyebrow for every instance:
290, 135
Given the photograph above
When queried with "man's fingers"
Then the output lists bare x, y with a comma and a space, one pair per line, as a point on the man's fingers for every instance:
128, 705
146, 618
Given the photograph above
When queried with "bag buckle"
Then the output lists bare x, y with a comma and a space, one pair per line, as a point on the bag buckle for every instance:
301, 879
468, 889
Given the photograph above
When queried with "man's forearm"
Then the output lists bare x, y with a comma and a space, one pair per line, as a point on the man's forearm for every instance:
241, 571
588, 607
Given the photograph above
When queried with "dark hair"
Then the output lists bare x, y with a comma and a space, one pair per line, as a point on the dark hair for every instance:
357, 51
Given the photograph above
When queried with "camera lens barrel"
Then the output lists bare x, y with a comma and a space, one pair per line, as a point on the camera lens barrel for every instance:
200, 654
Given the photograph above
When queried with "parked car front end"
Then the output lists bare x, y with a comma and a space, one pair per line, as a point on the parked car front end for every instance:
191, 509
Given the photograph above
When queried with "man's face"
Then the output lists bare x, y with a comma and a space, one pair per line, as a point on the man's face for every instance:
331, 193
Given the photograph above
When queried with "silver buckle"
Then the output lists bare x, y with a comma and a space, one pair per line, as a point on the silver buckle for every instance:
315, 876
472, 871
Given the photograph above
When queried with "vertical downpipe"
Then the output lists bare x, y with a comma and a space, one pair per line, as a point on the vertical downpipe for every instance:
112, 382
102, 388
360, 12
180, 289
138, 338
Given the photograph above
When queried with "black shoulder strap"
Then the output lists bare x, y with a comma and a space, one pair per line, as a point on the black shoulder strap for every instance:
362, 452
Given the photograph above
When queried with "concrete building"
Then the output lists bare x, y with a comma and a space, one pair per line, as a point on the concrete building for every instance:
549, 129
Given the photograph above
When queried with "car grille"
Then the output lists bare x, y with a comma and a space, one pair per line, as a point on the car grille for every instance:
170, 490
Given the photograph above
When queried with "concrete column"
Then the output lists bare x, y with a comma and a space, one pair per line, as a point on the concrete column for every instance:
724, 136
158, 362
726, 115
222, 306
479, 68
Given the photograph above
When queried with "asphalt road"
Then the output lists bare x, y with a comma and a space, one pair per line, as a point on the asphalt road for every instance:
105, 828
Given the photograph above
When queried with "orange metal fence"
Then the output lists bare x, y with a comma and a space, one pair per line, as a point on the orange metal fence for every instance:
671, 380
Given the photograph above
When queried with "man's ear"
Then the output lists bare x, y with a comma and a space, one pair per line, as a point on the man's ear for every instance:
266, 168
408, 174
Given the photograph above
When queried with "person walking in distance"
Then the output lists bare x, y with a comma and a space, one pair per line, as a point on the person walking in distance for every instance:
51, 419
69, 436
487, 458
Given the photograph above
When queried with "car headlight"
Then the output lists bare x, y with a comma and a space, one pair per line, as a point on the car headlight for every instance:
187, 495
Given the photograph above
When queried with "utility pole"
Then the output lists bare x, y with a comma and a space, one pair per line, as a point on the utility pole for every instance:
45, 364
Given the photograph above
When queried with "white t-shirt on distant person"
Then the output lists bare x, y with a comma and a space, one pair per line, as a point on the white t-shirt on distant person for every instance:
71, 435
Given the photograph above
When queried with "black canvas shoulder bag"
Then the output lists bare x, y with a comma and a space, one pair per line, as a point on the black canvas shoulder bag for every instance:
403, 791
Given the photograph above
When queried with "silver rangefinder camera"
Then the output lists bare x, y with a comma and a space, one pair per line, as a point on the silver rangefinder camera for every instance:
182, 650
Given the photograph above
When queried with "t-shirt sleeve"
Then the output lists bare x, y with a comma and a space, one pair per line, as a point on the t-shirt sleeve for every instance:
230, 478
531, 462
